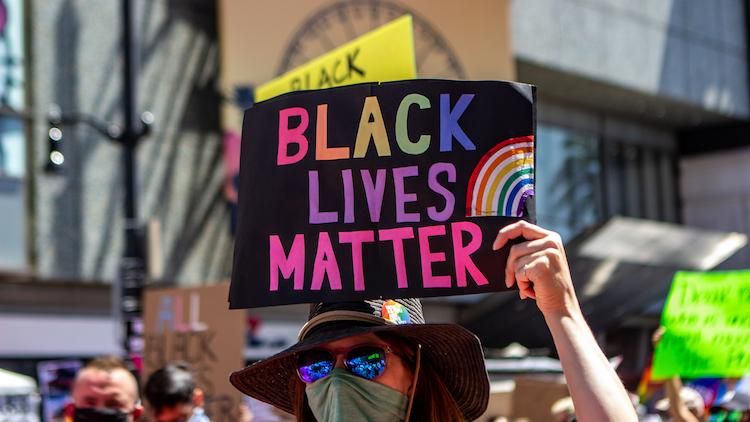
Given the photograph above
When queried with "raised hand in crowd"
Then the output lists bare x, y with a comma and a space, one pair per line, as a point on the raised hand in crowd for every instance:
539, 267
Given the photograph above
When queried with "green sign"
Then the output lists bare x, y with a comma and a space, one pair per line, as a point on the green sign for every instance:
707, 321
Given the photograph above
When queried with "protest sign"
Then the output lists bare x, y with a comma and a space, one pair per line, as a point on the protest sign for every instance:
56, 378
193, 325
262, 39
381, 190
707, 321
384, 54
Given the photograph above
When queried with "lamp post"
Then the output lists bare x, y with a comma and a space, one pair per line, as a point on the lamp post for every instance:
132, 271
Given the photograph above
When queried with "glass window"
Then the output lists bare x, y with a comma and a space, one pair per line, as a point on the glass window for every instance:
568, 180
668, 205
12, 138
12, 148
632, 183
651, 190
591, 166
640, 181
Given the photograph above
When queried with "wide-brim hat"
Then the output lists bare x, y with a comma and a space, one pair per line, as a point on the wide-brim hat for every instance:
453, 351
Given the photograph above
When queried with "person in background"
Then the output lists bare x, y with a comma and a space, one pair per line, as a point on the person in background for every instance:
563, 410
683, 404
687, 406
172, 396
734, 406
104, 390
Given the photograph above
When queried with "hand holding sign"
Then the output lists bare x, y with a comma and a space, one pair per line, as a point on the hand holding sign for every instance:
539, 267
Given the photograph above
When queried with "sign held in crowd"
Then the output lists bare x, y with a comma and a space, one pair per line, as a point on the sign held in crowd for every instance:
707, 326
193, 325
381, 190
383, 54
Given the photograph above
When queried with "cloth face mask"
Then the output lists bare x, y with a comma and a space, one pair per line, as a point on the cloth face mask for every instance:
342, 396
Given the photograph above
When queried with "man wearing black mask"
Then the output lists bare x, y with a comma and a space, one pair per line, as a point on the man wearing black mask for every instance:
104, 391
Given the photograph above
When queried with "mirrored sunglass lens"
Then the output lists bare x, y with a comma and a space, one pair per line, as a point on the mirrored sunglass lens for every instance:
314, 365
366, 362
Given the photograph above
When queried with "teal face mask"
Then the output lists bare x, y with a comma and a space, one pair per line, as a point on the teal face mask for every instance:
342, 396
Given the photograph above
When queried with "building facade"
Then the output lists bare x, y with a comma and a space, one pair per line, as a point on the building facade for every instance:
63, 230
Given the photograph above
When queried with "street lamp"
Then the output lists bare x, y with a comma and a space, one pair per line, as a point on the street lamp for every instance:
132, 272
131, 277
55, 157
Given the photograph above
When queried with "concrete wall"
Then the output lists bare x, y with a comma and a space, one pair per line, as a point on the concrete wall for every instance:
689, 50
716, 195
76, 63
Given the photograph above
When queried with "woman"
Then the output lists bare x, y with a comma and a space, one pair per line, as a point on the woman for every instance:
378, 360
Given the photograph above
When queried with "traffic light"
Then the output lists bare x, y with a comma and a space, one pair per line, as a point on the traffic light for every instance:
55, 158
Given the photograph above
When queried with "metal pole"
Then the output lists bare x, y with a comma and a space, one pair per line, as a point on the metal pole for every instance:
132, 267
131, 125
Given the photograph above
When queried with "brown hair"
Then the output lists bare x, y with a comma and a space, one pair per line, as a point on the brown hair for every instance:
106, 363
433, 401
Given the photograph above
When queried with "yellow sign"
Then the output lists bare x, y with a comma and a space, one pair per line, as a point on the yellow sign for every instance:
384, 54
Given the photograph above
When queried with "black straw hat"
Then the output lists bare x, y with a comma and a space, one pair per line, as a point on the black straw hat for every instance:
454, 352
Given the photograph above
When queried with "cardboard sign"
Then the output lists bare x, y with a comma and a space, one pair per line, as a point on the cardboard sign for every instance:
707, 320
56, 379
384, 54
193, 325
381, 190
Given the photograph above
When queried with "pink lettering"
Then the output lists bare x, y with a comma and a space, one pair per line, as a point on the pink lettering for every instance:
289, 135
429, 280
357, 238
325, 264
397, 236
294, 263
462, 254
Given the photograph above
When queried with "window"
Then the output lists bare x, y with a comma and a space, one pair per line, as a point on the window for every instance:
12, 137
590, 168
568, 178
12, 148
640, 181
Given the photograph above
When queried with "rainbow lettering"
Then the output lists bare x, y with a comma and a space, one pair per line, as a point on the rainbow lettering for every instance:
502, 180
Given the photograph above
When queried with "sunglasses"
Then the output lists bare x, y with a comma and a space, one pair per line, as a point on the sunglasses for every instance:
368, 362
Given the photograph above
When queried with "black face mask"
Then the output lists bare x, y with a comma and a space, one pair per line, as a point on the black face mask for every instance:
99, 414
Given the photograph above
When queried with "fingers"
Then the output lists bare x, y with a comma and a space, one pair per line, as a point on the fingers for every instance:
524, 249
528, 248
658, 335
521, 269
526, 289
518, 229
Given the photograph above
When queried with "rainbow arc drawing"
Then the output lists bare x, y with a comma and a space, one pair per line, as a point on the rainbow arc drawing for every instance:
503, 180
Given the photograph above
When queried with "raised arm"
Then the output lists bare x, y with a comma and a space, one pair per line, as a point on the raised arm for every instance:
539, 267
678, 410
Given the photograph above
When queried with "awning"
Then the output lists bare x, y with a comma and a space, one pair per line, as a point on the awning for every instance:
57, 336
12, 384
621, 270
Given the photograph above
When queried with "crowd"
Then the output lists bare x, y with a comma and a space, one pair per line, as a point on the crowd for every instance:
379, 360
105, 390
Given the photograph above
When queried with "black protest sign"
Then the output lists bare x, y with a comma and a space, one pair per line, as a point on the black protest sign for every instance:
381, 190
